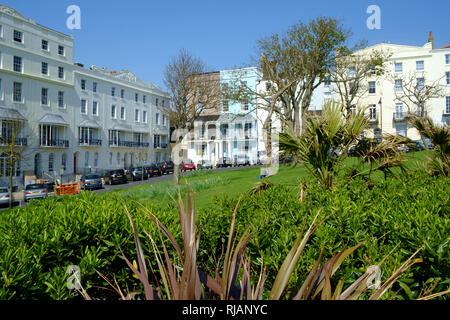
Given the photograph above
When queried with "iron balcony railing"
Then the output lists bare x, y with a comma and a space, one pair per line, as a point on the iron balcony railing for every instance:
90, 142
19, 142
128, 144
160, 146
58, 143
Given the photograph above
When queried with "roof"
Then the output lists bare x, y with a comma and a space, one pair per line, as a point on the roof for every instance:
445, 47
11, 114
89, 124
209, 118
53, 119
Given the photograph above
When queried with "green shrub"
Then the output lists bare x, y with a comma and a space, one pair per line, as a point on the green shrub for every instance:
39, 242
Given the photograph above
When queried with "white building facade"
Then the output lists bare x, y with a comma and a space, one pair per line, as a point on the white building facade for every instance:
76, 119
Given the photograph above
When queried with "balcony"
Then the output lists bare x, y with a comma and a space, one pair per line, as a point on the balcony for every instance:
18, 142
129, 144
161, 146
400, 116
55, 143
90, 142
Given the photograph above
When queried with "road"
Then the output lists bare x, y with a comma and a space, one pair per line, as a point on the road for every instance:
130, 184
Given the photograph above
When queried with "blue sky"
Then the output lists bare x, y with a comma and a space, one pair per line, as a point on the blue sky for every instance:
141, 36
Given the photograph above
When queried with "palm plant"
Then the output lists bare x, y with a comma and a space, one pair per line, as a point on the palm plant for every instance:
234, 281
439, 136
326, 140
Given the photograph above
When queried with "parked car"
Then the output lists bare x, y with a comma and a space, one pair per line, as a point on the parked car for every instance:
137, 173
167, 167
204, 164
241, 160
35, 191
117, 176
91, 181
224, 163
186, 165
416, 145
153, 170
4, 196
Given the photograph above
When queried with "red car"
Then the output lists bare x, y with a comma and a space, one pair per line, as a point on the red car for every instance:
186, 165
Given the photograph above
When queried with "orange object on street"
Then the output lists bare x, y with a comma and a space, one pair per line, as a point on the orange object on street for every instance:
68, 189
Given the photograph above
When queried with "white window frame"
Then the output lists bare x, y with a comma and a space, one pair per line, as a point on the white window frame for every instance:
398, 87
137, 115
447, 105
63, 51
95, 108
42, 45
84, 106
418, 63
123, 116
46, 68
20, 86
61, 72
83, 84
374, 87
21, 36
447, 58
42, 97
144, 116
113, 111
447, 78
61, 106
398, 67
18, 61
94, 87
422, 83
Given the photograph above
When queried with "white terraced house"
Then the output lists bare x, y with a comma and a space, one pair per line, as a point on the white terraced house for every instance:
76, 119
418, 67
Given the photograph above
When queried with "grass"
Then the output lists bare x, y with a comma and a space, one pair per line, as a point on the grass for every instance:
208, 184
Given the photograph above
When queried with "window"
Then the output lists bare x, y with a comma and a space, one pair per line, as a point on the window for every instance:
83, 84
51, 162
110, 159
144, 116
113, 112
420, 83
372, 87
327, 82
136, 115
447, 59
64, 161
398, 85
60, 99
122, 94
17, 95
398, 110
5, 166
447, 78
94, 86
83, 106
157, 119
61, 72
18, 36
447, 105
44, 68
351, 72
144, 98
225, 106
244, 106
86, 159
420, 65
398, 67
96, 160
17, 64
45, 45
44, 96
95, 108
163, 120
61, 50
136, 97
156, 102
123, 114
162, 103
113, 92
373, 112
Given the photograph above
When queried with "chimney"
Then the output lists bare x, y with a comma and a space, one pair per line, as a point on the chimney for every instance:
431, 39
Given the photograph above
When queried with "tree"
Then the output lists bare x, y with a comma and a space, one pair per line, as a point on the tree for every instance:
192, 90
351, 71
300, 59
11, 147
416, 92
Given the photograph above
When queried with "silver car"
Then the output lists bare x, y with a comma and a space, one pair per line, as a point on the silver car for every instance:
35, 191
4, 196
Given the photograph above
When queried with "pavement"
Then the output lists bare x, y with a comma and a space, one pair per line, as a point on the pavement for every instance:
131, 184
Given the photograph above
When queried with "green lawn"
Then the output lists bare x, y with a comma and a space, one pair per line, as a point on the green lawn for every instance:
208, 184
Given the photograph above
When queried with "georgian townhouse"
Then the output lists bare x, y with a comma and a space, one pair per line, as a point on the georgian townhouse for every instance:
72, 119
